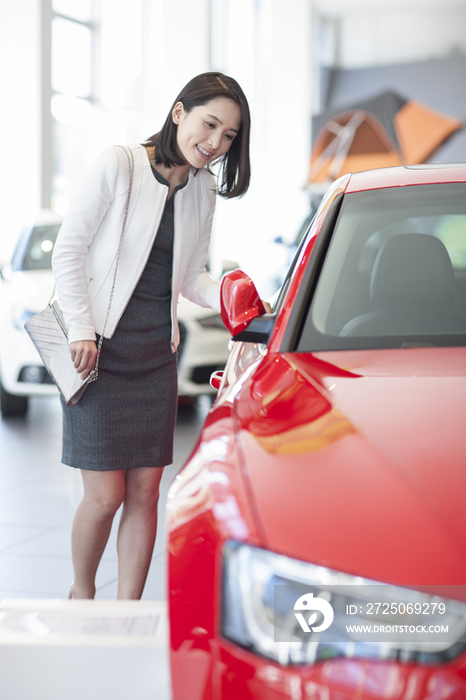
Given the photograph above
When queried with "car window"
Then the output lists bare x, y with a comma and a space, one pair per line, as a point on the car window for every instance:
395, 271
450, 229
452, 232
280, 294
38, 254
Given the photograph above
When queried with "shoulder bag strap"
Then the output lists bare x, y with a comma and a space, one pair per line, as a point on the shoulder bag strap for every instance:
130, 157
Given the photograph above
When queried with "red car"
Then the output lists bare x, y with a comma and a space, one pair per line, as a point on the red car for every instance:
330, 474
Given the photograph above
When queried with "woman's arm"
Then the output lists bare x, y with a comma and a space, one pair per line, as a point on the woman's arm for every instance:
198, 286
81, 224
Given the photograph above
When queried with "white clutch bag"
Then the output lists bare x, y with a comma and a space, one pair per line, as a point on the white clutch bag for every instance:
48, 332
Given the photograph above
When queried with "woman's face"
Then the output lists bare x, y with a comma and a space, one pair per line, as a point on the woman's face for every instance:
207, 131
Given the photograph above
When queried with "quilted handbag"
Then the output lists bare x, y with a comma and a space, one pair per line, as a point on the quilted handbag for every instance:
48, 332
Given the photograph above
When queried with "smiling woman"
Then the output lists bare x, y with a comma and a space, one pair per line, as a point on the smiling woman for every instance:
207, 132
123, 426
216, 103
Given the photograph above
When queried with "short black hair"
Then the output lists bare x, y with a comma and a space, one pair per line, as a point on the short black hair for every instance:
235, 168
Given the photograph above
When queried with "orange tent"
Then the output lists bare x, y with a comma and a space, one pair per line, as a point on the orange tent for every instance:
384, 131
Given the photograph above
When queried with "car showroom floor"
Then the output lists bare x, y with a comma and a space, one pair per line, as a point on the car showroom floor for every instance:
38, 496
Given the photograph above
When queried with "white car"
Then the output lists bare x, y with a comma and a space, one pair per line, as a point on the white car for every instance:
26, 285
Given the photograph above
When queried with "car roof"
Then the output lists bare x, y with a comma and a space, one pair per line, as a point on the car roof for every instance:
401, 176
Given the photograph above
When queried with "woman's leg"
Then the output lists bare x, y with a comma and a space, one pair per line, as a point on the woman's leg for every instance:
103, 494
138, 528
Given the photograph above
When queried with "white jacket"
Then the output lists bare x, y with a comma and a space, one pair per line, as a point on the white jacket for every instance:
85, 251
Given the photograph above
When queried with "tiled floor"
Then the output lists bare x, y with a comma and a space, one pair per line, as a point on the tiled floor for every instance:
38, 497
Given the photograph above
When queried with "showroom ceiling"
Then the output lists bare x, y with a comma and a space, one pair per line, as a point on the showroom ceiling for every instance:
342, 7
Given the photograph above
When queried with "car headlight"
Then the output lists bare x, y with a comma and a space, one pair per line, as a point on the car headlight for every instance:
263, 595
214, 321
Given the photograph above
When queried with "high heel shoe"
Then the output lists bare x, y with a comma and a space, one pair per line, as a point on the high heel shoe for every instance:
70, 592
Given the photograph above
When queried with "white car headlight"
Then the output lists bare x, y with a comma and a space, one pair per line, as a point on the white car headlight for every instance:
265, 597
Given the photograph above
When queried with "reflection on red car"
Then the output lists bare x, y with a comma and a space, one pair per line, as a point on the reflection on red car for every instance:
317, 534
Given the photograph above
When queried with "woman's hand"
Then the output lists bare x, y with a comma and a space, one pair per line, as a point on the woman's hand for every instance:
83, 354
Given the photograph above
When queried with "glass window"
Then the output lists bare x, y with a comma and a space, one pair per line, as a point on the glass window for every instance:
76, 9
74, 101
70, 130
71, 58
452, 232
394, 273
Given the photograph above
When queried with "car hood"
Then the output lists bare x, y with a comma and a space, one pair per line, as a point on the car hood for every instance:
357, 460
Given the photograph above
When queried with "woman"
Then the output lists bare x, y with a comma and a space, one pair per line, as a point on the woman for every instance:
121, 432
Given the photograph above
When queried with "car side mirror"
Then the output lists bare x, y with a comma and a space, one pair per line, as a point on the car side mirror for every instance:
242, 310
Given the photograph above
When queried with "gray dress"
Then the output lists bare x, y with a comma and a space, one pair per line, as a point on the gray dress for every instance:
127, 417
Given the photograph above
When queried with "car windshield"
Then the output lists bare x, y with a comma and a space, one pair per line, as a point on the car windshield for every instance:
38, 255
395, 272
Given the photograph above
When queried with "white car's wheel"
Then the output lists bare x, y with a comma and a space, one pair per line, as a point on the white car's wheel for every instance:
12, 406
